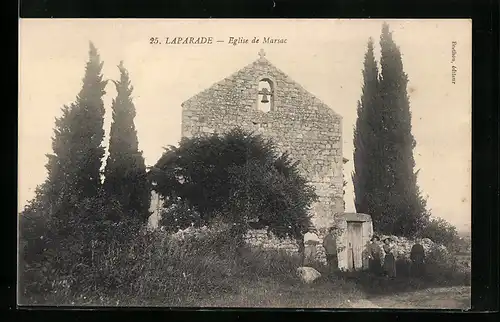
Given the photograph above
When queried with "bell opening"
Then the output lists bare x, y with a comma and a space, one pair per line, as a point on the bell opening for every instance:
265, 96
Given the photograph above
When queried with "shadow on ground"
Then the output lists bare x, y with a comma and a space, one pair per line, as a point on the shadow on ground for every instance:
376, 286
406, 293
455, 297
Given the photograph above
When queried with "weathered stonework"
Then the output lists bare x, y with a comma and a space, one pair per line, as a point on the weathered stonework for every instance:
261, 238
298, 123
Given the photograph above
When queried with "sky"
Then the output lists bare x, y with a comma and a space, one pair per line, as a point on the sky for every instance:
324, 56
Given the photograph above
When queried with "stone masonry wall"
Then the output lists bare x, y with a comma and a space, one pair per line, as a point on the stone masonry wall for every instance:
260, 238
299, 123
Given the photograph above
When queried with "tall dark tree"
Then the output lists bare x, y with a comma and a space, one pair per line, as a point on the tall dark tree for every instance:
74, 166
406, 208
385, 181
59, 215
367, 173
125, 171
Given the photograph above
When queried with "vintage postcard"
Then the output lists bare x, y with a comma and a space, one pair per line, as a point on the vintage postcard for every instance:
245, 163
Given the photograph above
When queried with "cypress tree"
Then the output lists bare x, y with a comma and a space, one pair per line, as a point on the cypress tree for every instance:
367, 173
385, 182
125, 171
74, 166
405, 208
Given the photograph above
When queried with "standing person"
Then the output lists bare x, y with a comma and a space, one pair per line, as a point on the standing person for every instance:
417, 257
330, 245
375, 256
311, 241
389, 260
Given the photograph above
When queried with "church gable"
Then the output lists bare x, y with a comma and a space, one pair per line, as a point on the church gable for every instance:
261, 82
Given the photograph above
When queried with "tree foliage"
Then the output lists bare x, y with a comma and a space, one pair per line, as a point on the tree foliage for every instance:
442, 232
366, 143
385, 182
74, 166
125, 171
64, 230
52, 229
237, 177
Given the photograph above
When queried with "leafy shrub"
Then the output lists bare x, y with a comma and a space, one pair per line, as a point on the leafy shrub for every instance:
239, 176
178, 216
441, 232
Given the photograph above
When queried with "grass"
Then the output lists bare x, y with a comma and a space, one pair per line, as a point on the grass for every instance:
263, 293
271, 294
205, 271
157, 270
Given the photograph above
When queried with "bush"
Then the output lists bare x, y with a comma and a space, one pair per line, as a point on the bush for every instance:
441, 232
32, 246
155, 268
239, 176
177, 217
139, 270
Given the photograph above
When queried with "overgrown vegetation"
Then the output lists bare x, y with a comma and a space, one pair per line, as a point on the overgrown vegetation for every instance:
442, 232
236, 177
153, 268
385, 183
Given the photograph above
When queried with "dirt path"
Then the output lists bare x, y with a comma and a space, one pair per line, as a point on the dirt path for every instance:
434, 298
363, 304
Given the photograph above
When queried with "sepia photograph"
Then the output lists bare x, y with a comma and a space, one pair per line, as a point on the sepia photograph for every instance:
245, 163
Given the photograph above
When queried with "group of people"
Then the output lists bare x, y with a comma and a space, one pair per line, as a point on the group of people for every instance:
376, 266
387, 267
381, 258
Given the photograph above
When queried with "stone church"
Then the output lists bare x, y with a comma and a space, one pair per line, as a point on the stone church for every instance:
263, 99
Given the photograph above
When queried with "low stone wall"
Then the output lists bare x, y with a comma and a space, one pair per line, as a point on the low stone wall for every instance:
402, 246
257, 238
261, 238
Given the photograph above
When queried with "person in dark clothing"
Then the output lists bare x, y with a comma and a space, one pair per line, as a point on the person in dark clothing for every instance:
375, 256
389, 259
417, 257
330, 245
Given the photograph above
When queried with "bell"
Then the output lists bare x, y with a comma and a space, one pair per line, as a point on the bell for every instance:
264, 92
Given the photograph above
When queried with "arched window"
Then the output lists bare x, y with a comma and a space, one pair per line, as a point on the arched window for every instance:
265, 101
